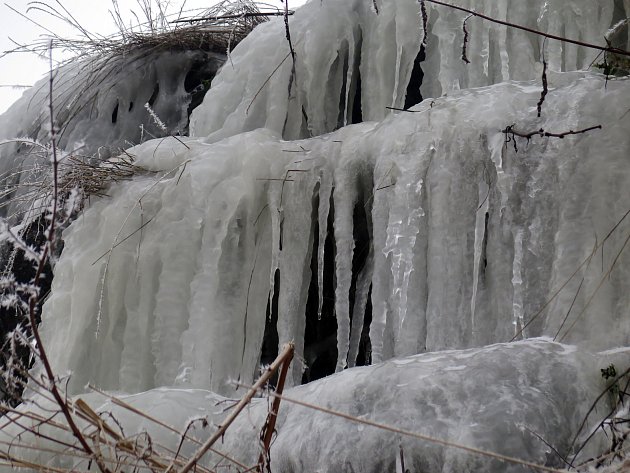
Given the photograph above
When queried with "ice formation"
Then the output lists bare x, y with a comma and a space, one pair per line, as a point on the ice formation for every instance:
308, 207
527, 391
468, 239
351, 64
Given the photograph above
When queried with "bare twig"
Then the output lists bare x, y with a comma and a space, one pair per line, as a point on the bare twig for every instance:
465, 42
375, 7
509, 130
591, 409
232, 17
270, 424
596, 247
403, 110
119, 402
286, 354
291, 50
267, 81
530, 30
408, 433
425, 21
34, 299
545, 88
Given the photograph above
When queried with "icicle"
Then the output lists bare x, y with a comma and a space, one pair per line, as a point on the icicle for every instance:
275, 212
178, 264
364, 281
402, 229
325, 191
480, 224
352, 45
294, 264
517, 281
382, 268
345, 196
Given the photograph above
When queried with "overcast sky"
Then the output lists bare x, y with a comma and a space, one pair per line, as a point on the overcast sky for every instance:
26, 69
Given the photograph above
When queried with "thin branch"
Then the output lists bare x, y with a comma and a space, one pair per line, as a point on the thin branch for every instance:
270, 424
530, 30
403, 110
570, 278
591, 409
119, 402
545, 88
233, 17
266, 82
408, 433
284, 357
375, 7
34, 299
465, 43
291, 50
509, 130
594, 293
425, 21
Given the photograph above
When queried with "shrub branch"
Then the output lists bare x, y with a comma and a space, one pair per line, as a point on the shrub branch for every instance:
531, 30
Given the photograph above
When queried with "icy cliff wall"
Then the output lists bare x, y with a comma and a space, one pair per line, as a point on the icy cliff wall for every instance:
446, 233
352, 62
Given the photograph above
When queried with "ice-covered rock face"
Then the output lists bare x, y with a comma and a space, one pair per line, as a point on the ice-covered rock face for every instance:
99, 104
452, 225
352, 63
508, 399
99, 107
444, 236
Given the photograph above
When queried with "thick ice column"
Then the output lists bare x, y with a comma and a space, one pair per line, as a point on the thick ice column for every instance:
452, 209
405, 219
297, 228
363, 284
345, 197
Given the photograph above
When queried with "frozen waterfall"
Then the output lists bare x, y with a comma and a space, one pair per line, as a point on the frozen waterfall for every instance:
470, 232
388, 205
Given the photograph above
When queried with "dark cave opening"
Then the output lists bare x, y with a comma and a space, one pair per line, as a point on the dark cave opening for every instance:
320, 336
413, 95
197, 82
320, 342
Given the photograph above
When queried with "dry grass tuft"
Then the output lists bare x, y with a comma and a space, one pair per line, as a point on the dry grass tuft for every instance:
217, 29
28, 192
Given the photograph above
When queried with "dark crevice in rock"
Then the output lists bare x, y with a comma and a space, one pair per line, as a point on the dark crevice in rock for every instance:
154, 95
344, 86
413, 95
22, 269
198, 79
115, 114
269, 350
355, 86
320, 336
362, 243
